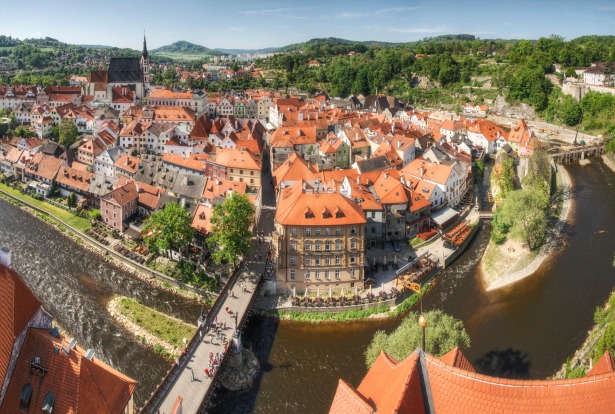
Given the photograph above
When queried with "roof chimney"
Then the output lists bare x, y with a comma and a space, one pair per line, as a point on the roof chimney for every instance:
398, 143
5, 256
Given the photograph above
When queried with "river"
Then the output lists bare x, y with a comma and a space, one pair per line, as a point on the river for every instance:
75, 285
524, 331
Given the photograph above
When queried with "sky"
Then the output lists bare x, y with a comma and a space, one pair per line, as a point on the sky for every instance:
243, 24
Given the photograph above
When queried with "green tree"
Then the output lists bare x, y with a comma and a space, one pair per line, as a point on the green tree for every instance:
24, 132
71, 200
504, 177
524, 213
68, 133
231, 222
443, 333
168, 228
606, 342
570, 111
538, 170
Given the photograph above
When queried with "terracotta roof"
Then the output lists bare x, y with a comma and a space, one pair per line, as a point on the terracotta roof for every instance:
44, 166
17, 306
295, 201
389, 190
399, 387
488, 129
128, 163
293, 169
123, 195
437, 173
168, 94
604, 365
348, 401
149, 195
74, 178
201, 220
456, 358
236, 158
217, 187
188, 163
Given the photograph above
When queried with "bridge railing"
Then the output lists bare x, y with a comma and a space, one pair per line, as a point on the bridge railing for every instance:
192, 345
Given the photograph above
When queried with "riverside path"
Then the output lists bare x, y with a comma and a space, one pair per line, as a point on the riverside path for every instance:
186, 389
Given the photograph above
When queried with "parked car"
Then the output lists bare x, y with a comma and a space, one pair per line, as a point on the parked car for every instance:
396, 246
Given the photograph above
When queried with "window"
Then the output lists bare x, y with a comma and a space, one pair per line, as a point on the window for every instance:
293, 260
308, 246
327, 275
240, 171
353, 243
338, 259
48, 403
373, 230
292, 274
317, 274
308, 261
318, 244
352, 273
327, 260
327, 231
26, 396
293, 246
317, 260
307, 274
327, 245
353, 259
308, 231
251, 172
317, 231
337, 274
338, 231
353, 230
293, 231
338, 245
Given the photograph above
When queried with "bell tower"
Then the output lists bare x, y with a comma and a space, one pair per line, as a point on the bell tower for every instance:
147, 77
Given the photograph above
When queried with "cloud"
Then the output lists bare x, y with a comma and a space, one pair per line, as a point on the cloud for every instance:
237, 29
344, 16
284, 12
607, 8
391, 10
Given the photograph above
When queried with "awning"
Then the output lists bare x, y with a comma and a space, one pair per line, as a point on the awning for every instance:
442, 216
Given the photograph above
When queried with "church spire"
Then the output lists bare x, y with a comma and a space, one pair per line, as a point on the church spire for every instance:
144, 54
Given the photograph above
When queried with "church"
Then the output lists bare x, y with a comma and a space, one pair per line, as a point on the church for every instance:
131, 73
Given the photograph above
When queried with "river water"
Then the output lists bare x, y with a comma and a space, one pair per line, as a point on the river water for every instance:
524, 331
75, 285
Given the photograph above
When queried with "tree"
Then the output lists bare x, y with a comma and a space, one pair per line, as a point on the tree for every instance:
570, 111
24, 132
538, 170
442, 334
230, 236
606, 342
71, 200
168, 228
68, 133
524, 213
504, 177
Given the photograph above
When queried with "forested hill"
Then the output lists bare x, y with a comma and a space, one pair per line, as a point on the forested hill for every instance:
183, 47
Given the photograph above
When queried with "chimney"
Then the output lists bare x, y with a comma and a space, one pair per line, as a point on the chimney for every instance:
386, 175
422, 172
359, 180
398, 143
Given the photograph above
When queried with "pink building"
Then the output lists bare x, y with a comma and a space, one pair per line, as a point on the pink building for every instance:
119, 205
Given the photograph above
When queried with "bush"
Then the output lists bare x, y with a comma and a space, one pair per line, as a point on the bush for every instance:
606, 342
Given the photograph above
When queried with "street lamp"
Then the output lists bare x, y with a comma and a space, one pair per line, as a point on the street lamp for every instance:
422, 324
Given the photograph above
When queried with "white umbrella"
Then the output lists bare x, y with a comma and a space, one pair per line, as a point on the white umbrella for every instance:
356, 291
384, 260
342, 291
395, 259
374, 260
329, 292
318, 292
294, 292
306, 292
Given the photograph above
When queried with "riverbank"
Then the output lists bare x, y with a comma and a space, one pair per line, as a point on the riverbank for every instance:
163, 333
609, 162
71, 228
378, 312
587, 354
498, 268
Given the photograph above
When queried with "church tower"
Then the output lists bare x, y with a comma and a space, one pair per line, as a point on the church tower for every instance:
147, 77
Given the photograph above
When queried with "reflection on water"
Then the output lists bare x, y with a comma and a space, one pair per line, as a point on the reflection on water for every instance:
75, 285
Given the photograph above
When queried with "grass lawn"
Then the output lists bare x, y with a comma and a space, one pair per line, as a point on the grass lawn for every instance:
68, 217
161, 326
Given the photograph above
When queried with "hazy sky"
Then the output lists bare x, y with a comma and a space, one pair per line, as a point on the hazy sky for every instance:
254, 24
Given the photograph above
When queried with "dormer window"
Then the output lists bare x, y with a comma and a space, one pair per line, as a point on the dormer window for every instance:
25, 397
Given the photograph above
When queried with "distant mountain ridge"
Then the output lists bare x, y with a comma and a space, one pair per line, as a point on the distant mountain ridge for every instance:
187, 48
246, 51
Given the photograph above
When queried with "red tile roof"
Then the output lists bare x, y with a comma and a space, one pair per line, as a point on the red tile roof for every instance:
604, 365
295, 202
348, 401
399, 387
17, 306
